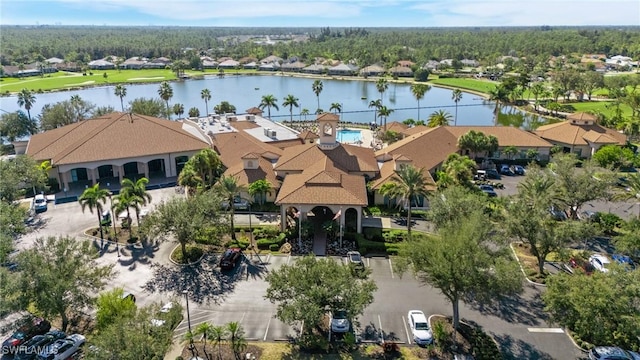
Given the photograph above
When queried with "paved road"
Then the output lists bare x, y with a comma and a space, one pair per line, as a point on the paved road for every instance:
238, 296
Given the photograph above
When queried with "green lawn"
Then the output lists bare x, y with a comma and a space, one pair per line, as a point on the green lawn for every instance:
481, 86
65, 80
599, 107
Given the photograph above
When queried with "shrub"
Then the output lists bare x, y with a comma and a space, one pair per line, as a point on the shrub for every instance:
607, 222
193, 253
374, 234
264, 244
274, 247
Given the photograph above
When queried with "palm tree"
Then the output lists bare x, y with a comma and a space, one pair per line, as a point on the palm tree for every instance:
121, 91
456, 96
376, 105
178, 109
336, 107
166, 93
26, 99
189, 179
500, 95
317, 89
439, 118
384, 113
304, 113
418, 91
139, 190
95, 198
124, 201
237, 339
260, 188
537, 89
230, 190
291, 101
382, 85
632, 184
268, 101
208, 165
206, 330
408, 183
218, 334
459, 170
205, 95
473, 141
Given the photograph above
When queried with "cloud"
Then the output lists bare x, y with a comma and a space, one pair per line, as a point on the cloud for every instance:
521, 13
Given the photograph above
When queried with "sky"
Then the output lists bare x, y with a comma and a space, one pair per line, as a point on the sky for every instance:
314, 13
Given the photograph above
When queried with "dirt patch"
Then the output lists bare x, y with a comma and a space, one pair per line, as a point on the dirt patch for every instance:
224, 349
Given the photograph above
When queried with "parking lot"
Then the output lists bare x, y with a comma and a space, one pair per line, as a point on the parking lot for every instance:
519, 324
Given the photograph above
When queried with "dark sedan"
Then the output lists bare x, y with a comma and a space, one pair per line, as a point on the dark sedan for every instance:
230, 258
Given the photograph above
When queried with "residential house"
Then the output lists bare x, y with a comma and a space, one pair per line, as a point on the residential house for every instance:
343, 69
250, 65
54, 61
406, 63
101, 65
273, 66
229, 64
432, 65
401, 71
271, 59
580, 134
470, 63
315, 69
134, 63
296, 66
372, 70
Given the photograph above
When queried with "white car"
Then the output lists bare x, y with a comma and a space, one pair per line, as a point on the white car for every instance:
339, 322
600, 262
40, 203
62, 349
419, 326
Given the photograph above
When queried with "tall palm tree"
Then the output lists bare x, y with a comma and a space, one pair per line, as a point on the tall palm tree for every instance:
383, 113
418, 91
26, 99
291, 101
166, 93
95, 198
304, 113
537, 89
376, 105
139, 190
178, 109
439, 118
317, 89
382, 85
206, 330
121, 91
459, 170
336, 107
218, 335
260, 188
500, 95
205, 95
408, 184
124, 201
190, 179
230, 190
456, 96
268, 101
237, 339
208, 165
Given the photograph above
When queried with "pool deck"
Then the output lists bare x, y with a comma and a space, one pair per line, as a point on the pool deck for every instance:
366, 138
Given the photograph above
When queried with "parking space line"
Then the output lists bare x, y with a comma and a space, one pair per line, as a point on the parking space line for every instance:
546, 330
404, 323
288, 258
381, 332
368, 264
390, 267
267, 330
242, 318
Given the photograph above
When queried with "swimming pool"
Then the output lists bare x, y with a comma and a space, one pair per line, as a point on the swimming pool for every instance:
349, 136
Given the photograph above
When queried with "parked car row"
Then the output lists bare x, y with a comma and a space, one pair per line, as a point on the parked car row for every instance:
34, 339
599, 262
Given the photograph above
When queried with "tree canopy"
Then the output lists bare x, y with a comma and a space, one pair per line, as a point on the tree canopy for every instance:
306, 289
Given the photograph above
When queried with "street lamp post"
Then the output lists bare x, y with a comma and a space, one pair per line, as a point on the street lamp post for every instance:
186, 297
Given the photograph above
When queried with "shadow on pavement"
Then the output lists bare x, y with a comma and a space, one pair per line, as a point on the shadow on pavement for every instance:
526, 308
203, 281
513, 349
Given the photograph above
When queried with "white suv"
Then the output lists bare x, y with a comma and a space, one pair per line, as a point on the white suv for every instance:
40, 203
420, 329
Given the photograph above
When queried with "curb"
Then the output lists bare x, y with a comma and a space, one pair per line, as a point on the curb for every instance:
91, 237
521, 268
568, 333
184, 265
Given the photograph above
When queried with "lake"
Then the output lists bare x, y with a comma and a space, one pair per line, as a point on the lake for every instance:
246, 91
